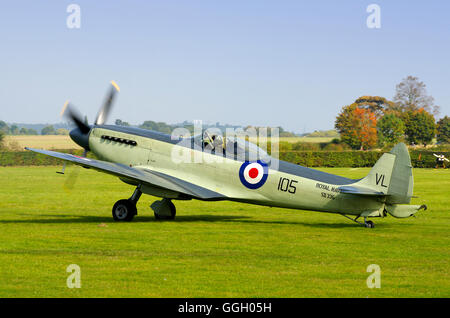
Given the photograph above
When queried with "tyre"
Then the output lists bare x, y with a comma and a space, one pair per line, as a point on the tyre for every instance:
124, 210
370, 225
173, 212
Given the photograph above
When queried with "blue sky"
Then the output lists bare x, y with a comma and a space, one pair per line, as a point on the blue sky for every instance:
287, 63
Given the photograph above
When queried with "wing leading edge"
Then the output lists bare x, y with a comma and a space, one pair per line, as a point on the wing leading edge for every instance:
145, 176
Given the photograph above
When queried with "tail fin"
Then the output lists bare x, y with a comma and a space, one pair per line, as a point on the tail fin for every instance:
402, 181
392, 175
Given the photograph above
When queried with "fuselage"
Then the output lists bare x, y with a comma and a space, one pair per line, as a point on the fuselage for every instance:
287, 185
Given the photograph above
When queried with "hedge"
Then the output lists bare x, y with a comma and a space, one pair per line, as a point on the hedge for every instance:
419, 158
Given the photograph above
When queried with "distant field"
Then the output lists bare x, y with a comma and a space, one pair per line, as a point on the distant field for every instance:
42, 142
212, 249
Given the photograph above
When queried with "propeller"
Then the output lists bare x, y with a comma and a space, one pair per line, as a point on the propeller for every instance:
107, 104
80, 134
71, 113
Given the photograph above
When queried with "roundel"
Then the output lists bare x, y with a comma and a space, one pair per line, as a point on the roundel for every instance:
253, 174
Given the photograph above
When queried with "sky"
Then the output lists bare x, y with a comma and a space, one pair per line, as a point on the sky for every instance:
293, 64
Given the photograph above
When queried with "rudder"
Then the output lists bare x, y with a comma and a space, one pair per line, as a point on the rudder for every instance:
392, 175
402, 182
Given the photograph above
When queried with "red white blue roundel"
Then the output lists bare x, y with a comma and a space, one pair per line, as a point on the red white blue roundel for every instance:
253, 174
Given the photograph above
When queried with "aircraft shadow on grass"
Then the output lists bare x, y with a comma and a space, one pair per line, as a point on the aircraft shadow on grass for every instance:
67, 219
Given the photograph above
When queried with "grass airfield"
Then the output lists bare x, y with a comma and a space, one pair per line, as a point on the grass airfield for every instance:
212, 249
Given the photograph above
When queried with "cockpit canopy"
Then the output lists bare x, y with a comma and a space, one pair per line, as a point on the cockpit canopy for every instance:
230, 147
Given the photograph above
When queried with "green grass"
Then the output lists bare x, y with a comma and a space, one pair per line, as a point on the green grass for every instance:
220, 249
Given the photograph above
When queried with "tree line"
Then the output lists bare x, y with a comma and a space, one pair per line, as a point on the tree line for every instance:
374, 121
167, 128
15, 130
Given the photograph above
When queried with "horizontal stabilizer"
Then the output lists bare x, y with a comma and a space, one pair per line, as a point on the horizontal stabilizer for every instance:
360, 191
404, 211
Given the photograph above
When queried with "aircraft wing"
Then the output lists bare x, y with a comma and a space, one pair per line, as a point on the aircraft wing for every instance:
360, 191
145, 176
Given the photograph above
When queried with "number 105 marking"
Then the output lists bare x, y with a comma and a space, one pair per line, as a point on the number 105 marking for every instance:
286, 185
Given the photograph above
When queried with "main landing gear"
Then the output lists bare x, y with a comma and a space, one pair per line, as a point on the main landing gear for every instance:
125, 209
367, 224
164, 209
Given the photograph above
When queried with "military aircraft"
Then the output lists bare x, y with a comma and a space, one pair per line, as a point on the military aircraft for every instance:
144, 159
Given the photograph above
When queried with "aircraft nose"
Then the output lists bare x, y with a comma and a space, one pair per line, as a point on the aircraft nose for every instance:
80, 138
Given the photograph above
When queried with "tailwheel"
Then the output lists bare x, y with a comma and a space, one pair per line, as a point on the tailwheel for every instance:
164, 209
367, 224
124, 210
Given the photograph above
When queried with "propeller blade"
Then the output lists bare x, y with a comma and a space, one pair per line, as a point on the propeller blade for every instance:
70, 112
107, 105
72, 176
71, 179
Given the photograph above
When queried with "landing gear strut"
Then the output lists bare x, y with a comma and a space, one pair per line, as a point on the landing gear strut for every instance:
125, 210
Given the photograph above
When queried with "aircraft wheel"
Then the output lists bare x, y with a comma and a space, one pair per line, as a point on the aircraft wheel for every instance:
370, 225
172, 210
124, 210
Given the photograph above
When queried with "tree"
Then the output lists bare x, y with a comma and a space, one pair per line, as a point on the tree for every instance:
443, 130
366, 123
323, 133
375, 104
48, 130
32, 131
411, 95
344, 125
161, 127
357, 127
27, 131
14, 130
119, 122
61, 131
2, 136
4, 127
420, 127
391, 129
